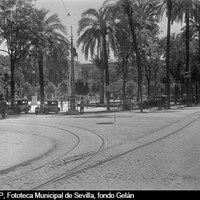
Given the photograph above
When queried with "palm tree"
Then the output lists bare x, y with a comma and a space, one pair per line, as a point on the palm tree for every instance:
138, 15
49, 37
166, 7
95, 31
195, 24
124, 50
183, 11
177, 10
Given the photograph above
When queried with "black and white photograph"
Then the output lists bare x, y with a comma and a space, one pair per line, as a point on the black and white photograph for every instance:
99, 95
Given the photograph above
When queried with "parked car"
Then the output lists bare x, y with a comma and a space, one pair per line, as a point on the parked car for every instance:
153, 102
47, 107
20, 105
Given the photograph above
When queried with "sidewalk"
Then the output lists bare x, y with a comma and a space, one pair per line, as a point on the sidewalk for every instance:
93, 109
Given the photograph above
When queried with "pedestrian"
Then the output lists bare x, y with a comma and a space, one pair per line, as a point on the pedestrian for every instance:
61, 104
82, 106
87, 101
3, 107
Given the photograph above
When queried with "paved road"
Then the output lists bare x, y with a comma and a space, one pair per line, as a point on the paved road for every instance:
150, 150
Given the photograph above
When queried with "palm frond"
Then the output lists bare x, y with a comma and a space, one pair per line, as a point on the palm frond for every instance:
91, 12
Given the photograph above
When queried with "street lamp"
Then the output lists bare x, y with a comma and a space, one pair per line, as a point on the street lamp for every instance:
72, 66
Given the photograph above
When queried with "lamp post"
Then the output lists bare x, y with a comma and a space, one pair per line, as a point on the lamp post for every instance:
72, 67
72, 101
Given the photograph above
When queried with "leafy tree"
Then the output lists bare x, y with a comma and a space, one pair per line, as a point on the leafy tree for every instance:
81, 87
56, 64
16, 30
151, 59
95, 88
4, 83
123, 50
4, 76
177, 62
50, 89
19, 77
27, 90
99, 64
63, 87
4, 62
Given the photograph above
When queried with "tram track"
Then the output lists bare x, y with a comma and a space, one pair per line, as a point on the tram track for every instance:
81, 168
45, 163
92, 160
75, 158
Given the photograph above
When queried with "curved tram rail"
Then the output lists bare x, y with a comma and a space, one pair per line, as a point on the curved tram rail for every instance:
85, 161
53, 160
81, 168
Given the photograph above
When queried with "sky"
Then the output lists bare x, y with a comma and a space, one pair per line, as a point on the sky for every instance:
75, 8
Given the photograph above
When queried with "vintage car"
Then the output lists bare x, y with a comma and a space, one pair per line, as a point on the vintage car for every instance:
152, 102
20, 105
47, 107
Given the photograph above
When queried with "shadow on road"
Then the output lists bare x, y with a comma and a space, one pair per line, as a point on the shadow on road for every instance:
105, 123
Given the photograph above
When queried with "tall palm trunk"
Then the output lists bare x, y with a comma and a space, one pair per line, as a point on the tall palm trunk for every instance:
102, 68
199, 44
41, 77
102, 87
169, 5
149, 83
138, 59
106, 70
148, 75
187, 44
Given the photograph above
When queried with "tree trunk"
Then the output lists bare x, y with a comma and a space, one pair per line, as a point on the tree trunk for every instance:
149, 83
187, 44
102, 88
138, 59
12, 82
41, 77
148, 75
106, 70
155, 83
169, 5
199, 45
124, 84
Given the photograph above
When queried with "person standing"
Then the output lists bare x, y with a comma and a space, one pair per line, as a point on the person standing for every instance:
61, 105
82, 106
3, 107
